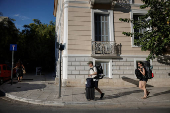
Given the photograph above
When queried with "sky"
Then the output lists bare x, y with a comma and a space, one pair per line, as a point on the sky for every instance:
23, 11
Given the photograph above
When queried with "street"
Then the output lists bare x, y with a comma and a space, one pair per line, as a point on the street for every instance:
13, 106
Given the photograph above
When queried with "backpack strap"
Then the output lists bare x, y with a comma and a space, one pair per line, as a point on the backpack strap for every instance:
92, 68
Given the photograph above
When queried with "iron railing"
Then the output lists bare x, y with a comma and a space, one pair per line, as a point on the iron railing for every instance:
105, 48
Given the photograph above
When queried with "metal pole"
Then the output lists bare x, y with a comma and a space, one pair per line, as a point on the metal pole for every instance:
60, 76
12, 67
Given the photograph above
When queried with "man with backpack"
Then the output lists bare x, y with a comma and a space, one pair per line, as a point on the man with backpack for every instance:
93, 74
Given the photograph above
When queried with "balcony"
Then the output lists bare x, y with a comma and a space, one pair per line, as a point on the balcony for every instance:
105, 49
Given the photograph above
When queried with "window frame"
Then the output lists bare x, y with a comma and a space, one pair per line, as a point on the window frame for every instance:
110, 65
135, 12
111, 24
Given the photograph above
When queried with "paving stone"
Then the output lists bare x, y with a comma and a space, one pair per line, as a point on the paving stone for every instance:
49, 94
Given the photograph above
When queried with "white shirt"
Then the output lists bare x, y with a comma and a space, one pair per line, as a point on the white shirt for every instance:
93, 70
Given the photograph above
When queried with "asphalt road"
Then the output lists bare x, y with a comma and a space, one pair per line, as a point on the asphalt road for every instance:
11, 106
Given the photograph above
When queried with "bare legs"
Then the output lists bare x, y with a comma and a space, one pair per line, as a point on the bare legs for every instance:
142, 85
98, 90
19, 79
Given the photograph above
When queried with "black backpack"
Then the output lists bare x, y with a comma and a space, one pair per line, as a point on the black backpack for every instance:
148, 71
99, 69
138, 74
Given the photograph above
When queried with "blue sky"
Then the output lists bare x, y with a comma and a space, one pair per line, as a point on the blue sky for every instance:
23, 11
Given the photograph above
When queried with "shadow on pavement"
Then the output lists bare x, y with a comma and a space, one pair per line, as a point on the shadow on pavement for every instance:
161, 93
24, 87
2, 94
121, 94
30, 77
135, 82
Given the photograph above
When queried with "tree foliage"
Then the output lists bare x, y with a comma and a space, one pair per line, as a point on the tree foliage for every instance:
36, 44
9, 34
156, 39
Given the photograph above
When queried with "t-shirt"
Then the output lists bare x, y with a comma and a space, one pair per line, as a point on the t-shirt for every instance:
93, 70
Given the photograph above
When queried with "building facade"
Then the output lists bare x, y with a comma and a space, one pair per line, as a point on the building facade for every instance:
91, 31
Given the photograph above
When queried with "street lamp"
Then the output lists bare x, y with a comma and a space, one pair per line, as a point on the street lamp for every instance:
61, 48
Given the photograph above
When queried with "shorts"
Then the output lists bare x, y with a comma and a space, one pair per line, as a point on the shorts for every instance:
144, 79
96, 84
19, 73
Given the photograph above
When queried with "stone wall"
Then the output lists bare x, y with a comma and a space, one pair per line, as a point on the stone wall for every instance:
123, 67
122, 73
78, 68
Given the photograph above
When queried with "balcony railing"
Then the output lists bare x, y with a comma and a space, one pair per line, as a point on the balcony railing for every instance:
105, 48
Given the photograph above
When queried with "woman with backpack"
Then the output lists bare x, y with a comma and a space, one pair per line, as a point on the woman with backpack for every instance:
143, 80
19, 71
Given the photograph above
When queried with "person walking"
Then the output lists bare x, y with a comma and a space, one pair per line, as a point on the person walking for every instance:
143, 80
19, 71
93, 73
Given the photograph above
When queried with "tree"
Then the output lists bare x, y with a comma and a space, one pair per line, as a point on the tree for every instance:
35, 43
157, 38
9, 34
39, 44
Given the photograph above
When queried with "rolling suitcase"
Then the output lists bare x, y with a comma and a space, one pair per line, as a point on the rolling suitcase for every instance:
90, 91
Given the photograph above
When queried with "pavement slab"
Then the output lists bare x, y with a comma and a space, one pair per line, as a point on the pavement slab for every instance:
39, 90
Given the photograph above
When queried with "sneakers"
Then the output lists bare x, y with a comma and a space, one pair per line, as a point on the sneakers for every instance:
102, 95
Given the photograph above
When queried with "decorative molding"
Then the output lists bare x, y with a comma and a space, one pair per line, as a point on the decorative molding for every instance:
111, 2
91, 2
133, 56
80, 55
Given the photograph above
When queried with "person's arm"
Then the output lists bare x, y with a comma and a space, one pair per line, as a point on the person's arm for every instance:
143, 72
95, 73
23, 66
15, 67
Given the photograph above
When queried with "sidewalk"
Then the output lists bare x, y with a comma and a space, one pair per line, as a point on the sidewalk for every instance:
42, 90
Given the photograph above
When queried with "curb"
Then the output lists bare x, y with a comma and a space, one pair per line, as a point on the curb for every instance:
31, 101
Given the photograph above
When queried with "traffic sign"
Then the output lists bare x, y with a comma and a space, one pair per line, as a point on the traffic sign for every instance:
13, 47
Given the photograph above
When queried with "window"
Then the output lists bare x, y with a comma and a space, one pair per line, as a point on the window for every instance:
101, 27
136, 14
4, 67
105, 67
136, 18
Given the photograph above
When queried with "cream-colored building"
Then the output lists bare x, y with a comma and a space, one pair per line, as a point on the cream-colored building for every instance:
91, 31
